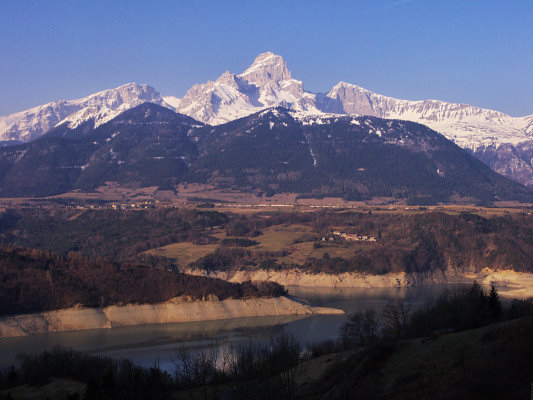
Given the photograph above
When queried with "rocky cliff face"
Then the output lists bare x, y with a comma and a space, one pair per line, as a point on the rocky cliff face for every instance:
469, 127
267, 68
512, 161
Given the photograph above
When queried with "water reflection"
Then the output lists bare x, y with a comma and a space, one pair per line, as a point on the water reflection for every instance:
360, 299
150, 345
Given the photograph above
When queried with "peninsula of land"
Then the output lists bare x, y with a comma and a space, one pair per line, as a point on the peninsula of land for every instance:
173, 310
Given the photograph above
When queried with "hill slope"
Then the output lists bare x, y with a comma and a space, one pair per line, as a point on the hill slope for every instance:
354, 157
273, 151
148, 145
491, 362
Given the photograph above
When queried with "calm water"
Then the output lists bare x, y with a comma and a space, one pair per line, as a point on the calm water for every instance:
153, 344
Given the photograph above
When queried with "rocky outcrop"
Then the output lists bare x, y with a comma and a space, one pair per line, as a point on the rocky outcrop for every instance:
267, 68
467, 126
512, 161
173, 310
266, 83
509, 283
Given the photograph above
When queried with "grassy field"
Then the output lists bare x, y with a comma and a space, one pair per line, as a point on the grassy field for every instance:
280, 236
184, 253
274, 238
297, 240
300, 252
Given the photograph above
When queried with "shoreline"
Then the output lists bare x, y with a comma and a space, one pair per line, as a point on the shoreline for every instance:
79, 318
510, 284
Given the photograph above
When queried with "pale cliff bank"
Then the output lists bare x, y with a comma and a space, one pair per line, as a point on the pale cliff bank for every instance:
170, 311
295, 277
509, 283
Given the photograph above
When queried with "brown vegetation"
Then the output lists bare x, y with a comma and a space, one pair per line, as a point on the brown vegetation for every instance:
421, 242
34, 281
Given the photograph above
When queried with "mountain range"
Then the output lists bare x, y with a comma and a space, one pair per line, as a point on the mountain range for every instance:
503, 142
275, 150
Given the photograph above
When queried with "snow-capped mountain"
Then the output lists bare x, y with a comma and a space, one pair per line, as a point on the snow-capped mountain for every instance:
266, 83
495, 138
468, 126
99, 107
269, 83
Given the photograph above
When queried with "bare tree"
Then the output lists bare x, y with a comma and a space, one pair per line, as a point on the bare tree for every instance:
246, 359
361, 329
396, 318
195, 367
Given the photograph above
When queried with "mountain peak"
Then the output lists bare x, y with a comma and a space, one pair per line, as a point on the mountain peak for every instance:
150, 113
99, 107
227, 78
143, 111
278, 112
266, 68
261, 58
345, 85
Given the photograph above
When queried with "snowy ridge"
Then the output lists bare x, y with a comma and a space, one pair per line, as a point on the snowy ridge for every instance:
268, 83
173, 101
99, 107
468, 126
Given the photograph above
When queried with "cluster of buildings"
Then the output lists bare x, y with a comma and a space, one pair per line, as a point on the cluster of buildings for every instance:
354, 237
141, 205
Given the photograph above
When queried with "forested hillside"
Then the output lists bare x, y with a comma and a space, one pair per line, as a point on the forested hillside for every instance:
358, 158
34, 281
419, 241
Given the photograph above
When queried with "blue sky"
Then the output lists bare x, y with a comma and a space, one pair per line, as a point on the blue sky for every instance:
477, 51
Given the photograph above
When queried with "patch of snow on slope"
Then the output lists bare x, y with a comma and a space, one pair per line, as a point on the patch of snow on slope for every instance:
172, 101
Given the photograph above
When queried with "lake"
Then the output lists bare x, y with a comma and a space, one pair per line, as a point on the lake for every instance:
150, 345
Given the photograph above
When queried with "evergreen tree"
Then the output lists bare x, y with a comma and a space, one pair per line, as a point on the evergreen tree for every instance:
495, 303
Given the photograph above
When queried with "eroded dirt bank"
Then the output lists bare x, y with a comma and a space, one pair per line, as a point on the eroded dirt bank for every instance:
509, 283
170, 311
